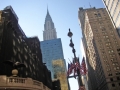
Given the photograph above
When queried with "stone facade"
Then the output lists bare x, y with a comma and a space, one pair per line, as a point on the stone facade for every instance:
102, 49
18, 83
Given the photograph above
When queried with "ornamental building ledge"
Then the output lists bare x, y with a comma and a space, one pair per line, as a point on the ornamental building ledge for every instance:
19, 83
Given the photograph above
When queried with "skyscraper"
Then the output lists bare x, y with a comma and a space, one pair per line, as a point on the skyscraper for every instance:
113, 9
52, 52
102, 49
49, 28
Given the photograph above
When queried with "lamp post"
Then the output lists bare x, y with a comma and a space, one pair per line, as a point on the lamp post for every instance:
70, 34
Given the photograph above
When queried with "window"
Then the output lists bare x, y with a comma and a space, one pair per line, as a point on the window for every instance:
103, 29
18, 40
110, 51
99, 15
119, 53
105, 36
116, 42
116, 63
18, 49
118, 49
95, 14
101, 48
104, 56
104, 33
111, 32
108, 69
119, 84
14, 51
13, 42
115, 8
112, 35
105, 61
110, 74
118, 68
107, 65
112, 5
112, 55
113, 63
103, 53
117, 73
96, 30
107, 44
113, 85
109, 47
111, 79
118, 78
112, 59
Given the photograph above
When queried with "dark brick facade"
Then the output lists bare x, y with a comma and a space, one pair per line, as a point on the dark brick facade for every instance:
14, 45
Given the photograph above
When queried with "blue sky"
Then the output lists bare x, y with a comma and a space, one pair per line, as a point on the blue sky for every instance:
64, 14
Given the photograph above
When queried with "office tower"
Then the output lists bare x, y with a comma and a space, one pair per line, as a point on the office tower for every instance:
51, 50
59, 70
15, 46
113, 9
49, 28
102, 49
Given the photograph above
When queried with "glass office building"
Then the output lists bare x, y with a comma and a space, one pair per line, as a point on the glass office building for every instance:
51, 50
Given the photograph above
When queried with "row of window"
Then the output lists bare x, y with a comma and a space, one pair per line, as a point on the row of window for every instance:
116, 6
27, 66
113, 85
112, 5
114, 63
111, 53
108, 3
117, 18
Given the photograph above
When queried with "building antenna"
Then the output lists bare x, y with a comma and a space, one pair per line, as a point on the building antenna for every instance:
47, 6
90, 5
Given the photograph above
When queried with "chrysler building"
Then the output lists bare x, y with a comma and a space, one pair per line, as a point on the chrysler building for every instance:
49, 29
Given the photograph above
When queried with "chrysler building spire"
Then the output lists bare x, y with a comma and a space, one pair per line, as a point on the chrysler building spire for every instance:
47, 9
49, 29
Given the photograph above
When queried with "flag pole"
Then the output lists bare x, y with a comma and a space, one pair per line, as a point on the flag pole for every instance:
69, 60
70, 34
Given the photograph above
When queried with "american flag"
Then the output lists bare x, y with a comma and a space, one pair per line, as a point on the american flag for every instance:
72, 68
83, 66
79, 67
77, 64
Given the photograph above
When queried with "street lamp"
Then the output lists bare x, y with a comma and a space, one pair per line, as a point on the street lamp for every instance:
70, 34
